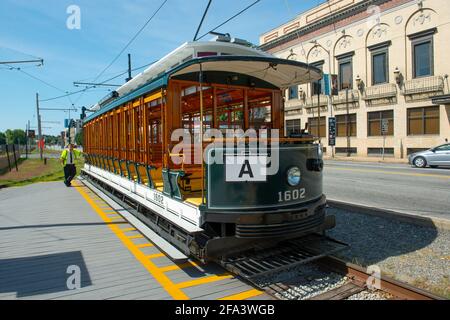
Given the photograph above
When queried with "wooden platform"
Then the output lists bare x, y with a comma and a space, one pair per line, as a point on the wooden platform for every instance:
50, 233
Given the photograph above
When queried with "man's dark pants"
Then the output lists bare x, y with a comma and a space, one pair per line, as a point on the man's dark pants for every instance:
69, 173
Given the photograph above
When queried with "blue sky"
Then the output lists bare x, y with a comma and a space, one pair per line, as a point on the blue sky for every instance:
37, 28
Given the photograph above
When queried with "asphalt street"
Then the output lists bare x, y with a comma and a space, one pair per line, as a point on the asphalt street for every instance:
396, 187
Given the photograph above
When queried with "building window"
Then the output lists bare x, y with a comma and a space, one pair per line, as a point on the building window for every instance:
378, 152
380, 66
293, 127
423, 121
375, 119
293, 92
345, 73
313, 125
422, 53
347, 151
341, 125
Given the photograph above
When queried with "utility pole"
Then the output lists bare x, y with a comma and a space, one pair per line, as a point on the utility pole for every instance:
27, 129
40, 146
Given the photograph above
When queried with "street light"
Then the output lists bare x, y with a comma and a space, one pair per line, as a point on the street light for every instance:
359, 83
398, 76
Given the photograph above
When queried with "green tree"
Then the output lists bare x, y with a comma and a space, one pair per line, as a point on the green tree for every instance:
16, 136
2, 138
79, 138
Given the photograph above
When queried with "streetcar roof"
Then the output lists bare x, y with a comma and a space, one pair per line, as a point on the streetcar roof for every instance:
279, 73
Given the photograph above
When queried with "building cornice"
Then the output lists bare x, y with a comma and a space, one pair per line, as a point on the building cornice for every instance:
339, 15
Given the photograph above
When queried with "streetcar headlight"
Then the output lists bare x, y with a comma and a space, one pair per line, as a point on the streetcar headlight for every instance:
293, 176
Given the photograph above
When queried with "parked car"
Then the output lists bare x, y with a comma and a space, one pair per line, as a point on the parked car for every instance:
434, 157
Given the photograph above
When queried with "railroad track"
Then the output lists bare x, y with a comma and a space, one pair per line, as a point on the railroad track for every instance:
305, 269
350, 281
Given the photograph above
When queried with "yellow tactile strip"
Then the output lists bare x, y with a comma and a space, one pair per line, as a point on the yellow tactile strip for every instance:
174, 289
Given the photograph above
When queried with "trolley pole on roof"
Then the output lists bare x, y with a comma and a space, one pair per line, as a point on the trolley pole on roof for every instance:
201, 21
129, 68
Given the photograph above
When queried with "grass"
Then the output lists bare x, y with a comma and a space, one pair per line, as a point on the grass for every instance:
33, 171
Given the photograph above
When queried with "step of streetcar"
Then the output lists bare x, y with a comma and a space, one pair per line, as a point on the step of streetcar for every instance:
252, 264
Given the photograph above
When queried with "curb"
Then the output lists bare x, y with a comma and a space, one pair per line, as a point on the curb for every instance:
389, 214
366, 160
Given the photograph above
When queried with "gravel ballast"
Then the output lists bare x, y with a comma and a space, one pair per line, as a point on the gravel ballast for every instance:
415, 254
304, 281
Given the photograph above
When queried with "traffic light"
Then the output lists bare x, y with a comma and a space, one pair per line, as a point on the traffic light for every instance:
83, 113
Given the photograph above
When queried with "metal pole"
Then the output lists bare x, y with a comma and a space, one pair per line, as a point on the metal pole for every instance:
7, 155
384, 144
15, 158
346, 123
318, 112
26, 141
201, 131
39, 126
330, 102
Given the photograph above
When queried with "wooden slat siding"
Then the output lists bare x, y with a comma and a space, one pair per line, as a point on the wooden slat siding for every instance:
117, 123
164, 105
145, 133
215, 119
135, 132
276, 110
246, 111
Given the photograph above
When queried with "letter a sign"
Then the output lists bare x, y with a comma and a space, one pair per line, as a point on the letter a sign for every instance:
245, 168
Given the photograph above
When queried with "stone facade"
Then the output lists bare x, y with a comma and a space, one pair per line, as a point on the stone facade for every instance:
393, 54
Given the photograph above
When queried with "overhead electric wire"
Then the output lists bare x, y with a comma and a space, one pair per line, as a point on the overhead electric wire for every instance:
91, 87
21, 52
128, 44
229, 19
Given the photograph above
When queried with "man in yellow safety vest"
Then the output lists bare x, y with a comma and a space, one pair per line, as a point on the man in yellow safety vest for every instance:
68, 157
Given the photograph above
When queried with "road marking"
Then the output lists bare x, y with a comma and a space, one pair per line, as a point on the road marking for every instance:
189, 264
393, 172
244, 295
156, 255
144, 245
196, 282
128, 229
115, 218
162, 279
138, 236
